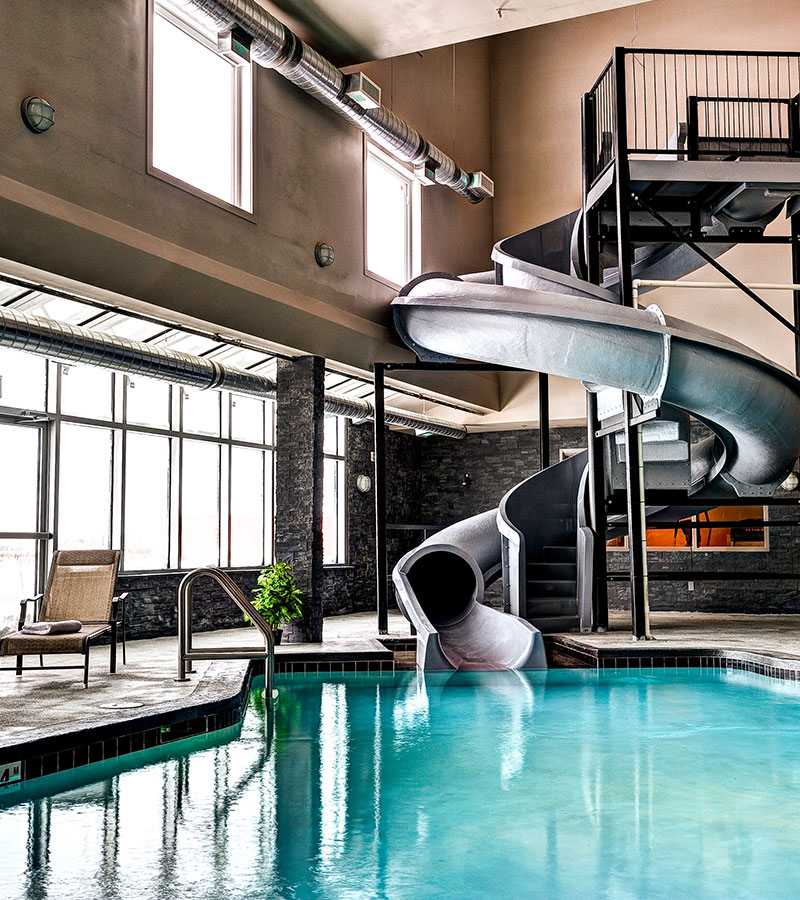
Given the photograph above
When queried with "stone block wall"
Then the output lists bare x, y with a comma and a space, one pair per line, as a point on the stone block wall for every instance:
152, 607
298, 484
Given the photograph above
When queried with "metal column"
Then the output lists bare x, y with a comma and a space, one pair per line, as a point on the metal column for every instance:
595, 444
544, 421
597, 501
381, 559
795, 224
634, 472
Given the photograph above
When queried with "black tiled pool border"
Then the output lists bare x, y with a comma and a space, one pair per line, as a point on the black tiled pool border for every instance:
569, 650
218, 701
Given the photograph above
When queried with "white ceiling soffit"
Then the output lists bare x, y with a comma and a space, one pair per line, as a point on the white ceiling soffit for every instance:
355, 31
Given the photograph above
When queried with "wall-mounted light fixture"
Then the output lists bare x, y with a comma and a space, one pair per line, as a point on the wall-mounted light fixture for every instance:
791, 482
323, 255
466, 480
363, 483
37, 114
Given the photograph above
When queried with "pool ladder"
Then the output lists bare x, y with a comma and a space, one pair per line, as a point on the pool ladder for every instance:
186, 652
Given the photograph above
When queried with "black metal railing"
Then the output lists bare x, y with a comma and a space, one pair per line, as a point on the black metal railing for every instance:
687, 104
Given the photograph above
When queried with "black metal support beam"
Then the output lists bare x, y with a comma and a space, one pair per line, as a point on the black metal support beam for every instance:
678, 235
544, 421
634, 469
597, 501
711, 576
381, 566
795, 227
594, 443
447, 367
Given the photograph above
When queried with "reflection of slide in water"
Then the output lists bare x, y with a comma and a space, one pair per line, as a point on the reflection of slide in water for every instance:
506, 696
545, 319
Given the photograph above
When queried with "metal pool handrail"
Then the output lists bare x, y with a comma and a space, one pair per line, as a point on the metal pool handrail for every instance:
187, 654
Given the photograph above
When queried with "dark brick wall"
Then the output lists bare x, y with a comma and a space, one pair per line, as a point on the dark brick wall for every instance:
298, 484
424, 486
152, 609
495, 462
737, 596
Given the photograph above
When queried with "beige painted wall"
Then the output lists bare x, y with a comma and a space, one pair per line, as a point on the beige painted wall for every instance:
538, 77
78, 201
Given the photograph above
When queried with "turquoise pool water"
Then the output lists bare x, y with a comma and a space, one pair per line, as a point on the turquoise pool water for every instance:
564, 784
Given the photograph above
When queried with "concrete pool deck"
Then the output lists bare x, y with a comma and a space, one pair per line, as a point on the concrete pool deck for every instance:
49, 722
50, 716
769, 644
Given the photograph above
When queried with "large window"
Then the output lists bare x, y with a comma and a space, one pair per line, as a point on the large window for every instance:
201, 132
392, 219
334, 531
720, 528
175, 477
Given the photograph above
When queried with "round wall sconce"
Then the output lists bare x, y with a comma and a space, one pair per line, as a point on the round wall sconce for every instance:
363, 483
323, 255
37, 114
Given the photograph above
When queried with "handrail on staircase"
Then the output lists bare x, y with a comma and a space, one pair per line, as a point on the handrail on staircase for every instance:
186, 652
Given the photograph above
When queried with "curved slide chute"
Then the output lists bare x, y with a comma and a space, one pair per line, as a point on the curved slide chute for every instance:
545, 318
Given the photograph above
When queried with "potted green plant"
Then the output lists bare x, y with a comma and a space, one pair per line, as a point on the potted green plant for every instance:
277, 597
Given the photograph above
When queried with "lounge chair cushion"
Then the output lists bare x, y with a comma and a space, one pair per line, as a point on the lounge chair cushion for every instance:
18, 644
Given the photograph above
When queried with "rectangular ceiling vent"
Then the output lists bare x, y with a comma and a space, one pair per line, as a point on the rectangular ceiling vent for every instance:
363, 90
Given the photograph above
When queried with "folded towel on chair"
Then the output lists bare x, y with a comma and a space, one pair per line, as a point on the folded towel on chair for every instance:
70, 626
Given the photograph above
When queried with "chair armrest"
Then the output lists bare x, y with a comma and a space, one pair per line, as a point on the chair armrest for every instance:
116, 602
23, 608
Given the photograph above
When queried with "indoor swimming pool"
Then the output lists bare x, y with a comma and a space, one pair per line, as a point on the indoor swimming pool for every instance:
559, 784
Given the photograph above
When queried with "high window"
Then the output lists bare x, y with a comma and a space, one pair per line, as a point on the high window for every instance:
334, 536
392, 233
202, 111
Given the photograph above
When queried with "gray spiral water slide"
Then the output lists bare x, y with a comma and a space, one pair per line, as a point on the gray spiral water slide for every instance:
545, 319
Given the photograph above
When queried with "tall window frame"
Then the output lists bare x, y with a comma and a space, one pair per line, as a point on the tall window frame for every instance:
334, 490
412, 223
114, 423
243, 119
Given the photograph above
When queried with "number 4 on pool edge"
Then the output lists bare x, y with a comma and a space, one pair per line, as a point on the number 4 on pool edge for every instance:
10, 773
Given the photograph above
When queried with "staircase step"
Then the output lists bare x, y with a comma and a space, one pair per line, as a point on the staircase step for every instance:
559, 554
556, 624
551, 588
559, 571
544, 607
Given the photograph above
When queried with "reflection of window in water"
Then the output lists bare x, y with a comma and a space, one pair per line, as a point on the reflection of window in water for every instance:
745, 531
333, 749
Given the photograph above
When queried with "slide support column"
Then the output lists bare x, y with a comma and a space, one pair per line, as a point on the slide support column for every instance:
597, 501
544, 421
634, 472
381, 573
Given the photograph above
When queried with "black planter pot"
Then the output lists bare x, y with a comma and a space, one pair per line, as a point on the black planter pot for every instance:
276, 635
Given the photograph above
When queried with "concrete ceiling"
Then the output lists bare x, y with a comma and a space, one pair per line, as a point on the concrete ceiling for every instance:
353, 31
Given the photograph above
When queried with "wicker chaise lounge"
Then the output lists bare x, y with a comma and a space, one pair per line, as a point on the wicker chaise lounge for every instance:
80, 586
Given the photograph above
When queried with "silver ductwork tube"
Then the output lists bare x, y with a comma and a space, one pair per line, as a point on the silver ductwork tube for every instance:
274, 46
72, 344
